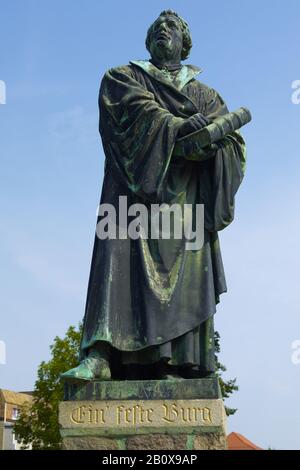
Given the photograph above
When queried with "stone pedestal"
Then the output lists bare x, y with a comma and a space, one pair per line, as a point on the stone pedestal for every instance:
148, 415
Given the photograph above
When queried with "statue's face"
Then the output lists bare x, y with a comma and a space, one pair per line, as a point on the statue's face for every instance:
166, 43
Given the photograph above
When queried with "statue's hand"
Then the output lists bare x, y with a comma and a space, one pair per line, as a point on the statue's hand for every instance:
204, 153
193, 124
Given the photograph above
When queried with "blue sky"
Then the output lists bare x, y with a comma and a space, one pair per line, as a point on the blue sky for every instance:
52, 57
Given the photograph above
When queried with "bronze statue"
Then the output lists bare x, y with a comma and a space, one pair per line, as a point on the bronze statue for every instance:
151, 302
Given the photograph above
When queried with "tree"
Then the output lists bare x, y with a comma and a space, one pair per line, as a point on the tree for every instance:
38, 424
229, 386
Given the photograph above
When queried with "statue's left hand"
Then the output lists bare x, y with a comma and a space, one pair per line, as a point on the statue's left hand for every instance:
204, 154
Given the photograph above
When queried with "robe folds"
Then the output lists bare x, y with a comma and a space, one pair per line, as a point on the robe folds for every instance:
147, 297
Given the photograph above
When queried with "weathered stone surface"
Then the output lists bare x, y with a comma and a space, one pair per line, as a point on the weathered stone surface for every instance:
142, 416
210, 441
149, 423
143, 389
205, 441
90, 443
157, 442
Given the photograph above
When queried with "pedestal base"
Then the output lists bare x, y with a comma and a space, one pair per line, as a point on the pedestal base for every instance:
143, 415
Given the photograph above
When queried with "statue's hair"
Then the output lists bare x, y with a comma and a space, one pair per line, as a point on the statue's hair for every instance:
186, 35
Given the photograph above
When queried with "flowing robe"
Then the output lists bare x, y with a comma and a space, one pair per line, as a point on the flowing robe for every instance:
147, 298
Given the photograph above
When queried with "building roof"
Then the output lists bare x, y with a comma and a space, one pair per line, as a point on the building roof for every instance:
14, 398
236, 441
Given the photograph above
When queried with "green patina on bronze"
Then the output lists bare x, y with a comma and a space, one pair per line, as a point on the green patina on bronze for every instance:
151, 300
142, 390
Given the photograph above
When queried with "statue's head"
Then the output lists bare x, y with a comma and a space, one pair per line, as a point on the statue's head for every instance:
169, 38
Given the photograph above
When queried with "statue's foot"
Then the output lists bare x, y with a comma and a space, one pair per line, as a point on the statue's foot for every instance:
170, 377
89, 369
168, 372
194, 372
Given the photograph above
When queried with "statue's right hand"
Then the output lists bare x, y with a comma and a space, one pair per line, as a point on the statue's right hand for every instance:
193, 124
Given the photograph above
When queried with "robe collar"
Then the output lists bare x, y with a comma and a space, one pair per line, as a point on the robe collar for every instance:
184, 75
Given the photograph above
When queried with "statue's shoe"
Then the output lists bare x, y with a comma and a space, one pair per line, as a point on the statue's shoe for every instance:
166, 372
89, 369
170, 377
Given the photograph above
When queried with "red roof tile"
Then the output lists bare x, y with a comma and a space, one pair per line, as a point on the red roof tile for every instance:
236, 441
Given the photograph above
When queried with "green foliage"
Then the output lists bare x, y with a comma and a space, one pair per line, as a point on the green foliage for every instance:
38, 423
227, 386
